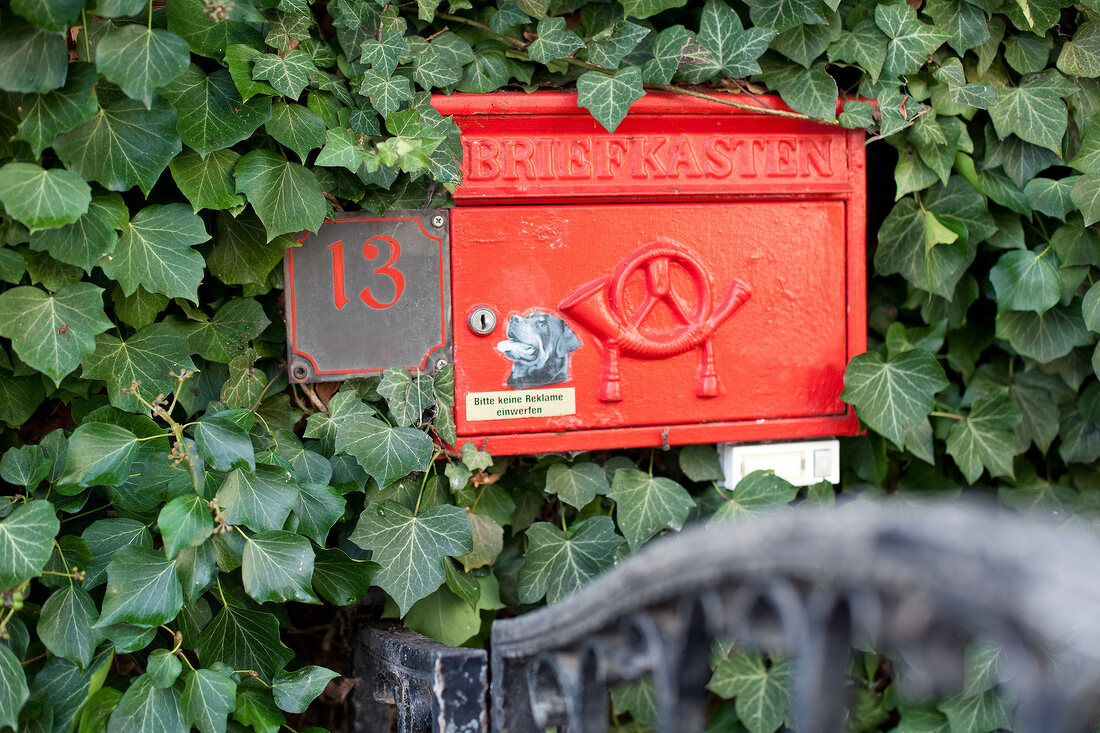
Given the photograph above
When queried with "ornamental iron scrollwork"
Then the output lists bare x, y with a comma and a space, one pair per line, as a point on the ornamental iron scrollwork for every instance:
916, 582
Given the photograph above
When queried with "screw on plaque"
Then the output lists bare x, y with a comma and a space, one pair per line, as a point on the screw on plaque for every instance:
299, 371
482, 320
438, 221
441, 363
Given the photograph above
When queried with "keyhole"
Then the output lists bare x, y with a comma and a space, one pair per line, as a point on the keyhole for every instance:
482, 320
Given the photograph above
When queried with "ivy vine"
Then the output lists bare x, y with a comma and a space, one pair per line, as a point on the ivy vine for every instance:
170, 499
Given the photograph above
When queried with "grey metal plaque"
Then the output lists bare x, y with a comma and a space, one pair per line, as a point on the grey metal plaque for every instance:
369, 292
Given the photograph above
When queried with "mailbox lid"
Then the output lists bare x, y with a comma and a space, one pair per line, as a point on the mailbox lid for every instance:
780, 354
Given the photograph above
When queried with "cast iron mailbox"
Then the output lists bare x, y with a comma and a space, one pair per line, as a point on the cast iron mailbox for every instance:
697, 276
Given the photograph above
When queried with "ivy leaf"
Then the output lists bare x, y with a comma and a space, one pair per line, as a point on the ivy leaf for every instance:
278, 567
758, 492
893, 395
100, 454
294, 691
28, 465
244, 639
646, 505
123, 145
557, 563
1086, 197
13, 688
1034, 111
1051, 197
52, 333
576, 484
986, 711
763, 694
385, 453
211, 114
339, 579
245, 385
147, 357
608, 98
809, 91
155, 252
649, 8
986, 438
668, 52
1081, 55
260, 501
142, 589
184, 522
964, 23
285, 195
227, 335
488, 542
26, 542
90, 237
223, 442
701, 463
1044, 337
65, 625
105, 537
733, 50
53, 15
911, 42
297, 127
341, 407
144, 706
289, 74
782, 15
1025, 281
383, 54
141, 59
44, 116
40, 198
241, 253
804, 43
407, 398
207, 182
386, 94
318, 508
410, 548
863, 44
208, 698
163, 667
611, 45
554, 41
35, 60
190, 20
444, 616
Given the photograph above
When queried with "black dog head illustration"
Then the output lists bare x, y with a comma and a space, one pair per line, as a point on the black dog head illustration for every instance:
539, 346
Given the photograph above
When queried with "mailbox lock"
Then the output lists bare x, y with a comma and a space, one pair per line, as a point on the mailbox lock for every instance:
482, 320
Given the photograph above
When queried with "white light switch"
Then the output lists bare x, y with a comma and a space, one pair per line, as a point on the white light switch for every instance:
801, 463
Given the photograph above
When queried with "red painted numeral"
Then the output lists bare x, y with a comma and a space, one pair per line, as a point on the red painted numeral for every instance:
340, 299
338, 296
370, 252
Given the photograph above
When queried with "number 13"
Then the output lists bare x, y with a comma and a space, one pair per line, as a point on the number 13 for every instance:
370, 252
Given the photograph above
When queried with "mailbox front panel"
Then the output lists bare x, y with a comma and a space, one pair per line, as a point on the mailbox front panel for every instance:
611, 316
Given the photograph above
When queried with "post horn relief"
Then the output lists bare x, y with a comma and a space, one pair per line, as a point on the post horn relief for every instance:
612, 310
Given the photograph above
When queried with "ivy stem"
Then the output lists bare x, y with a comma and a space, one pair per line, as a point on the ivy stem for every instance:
651, 452
1044, 251
64, 564
221, 593
953, 416
520, 45
90, 511
155, 437
87, 43
150, 23
241, 531
423, 483
25, 662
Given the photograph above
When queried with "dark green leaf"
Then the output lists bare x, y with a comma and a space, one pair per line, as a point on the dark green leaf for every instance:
385, 453
123, 145
1051, 197
44, 116
668, 51
100, 454
190, 19
261, 500
554, 41
241, 253
763, 694
1043, 337
35, 60
965, 23
407, 398
784, 14
339, 579
317, 509
208, 698
294, 691
40, 198
608, 98
25, 466
410, 548
611, 45
1081, 56
557, 563
386, 94
893, 395
576, 484
212, 115
184, 522
701, 463
809, 91
141, 59
289, 74
646, 505
244, 639
1025, 281
142, 589
94, 235
106, 537
985, 438
145, 707
65, 624
733, 51
52, 333
911, 42
148, 357
1034, 111
285, 195
278, 566
155, 252
13, 688
760, 491
163, 668
26, 542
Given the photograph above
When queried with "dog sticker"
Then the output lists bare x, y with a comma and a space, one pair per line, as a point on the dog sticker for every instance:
539, 345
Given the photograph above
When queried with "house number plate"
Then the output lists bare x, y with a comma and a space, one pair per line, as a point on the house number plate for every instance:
369, 292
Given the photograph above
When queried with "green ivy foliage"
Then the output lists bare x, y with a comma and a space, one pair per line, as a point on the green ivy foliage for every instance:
168, 493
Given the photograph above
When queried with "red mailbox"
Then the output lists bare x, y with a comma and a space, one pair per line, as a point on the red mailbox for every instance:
696, 276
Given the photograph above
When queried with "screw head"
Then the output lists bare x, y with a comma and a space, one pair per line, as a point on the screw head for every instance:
438, 221
482, 320
299, 372
441, 363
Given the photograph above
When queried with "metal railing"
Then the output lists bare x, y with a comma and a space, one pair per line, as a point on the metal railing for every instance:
917, 582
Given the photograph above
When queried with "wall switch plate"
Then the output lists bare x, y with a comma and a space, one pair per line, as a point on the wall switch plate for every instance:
801, 463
